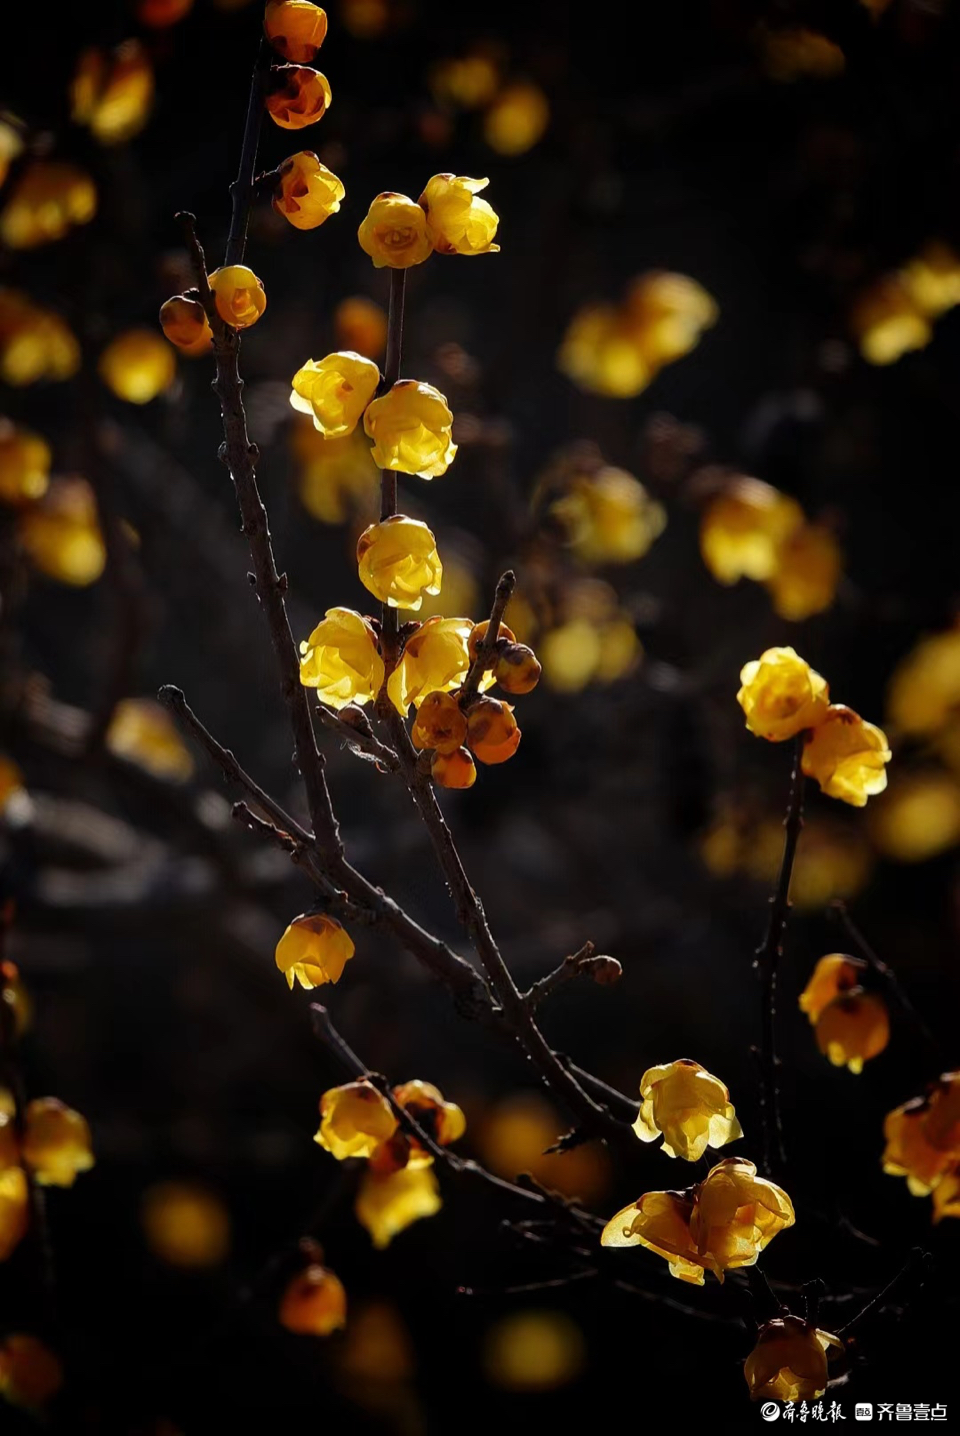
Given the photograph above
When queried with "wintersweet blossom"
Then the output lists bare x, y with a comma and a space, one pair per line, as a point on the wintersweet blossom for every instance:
458, 222
398, 561
314, 949
847, 756
354, 1120
688, 1107
410, 426
334, 391
341, 660
781, 695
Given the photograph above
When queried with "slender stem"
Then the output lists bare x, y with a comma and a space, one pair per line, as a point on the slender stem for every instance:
767, 963
485, 648
242, 189
390, 618
884, 971
911, 1275
359, 737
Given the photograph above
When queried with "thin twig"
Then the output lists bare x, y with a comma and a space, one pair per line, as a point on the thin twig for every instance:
586, 962
485, 648
884, 971
243, 188
359, 736
911, 1275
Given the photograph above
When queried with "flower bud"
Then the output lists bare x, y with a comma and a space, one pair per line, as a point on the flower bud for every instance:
517, 668
492, 732
307, 193
185, 324
298, 97
238, 294
453, 770
295, 28
439, 724
314, 1303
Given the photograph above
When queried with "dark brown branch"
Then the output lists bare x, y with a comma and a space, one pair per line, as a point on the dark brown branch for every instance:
359, 736
486, 646
587, 962
887, 975
907, 1282
243, 187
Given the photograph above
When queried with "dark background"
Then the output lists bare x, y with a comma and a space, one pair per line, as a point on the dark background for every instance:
159, 1012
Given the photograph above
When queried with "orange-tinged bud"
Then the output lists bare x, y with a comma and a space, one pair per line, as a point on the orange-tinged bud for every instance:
398, 561
847, 756
14, 1209
361, 325
56, 1142
457, 221
185, 1224
492, 732
185, 324
781, 695
354, 1120
30, 1374
161, 14
307, 193
853, 1028
61, 534
313, 950
141, 731
25, 461
517, 119
298, 97
335, 391
439, 724
137, 366
112, 92
295, 28
517, 668
833, 977
387, 1204
689, 1107
314, 1303
45, 203
789, 1361
340, 659
479, 633
453, 770
238, 294
394, 232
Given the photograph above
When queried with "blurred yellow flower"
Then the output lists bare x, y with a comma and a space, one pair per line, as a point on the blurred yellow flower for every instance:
853, 1028
376, 1350
340, 659
313, 950
744, 528
35, 343
918, 818
354, 1120
142, 732
307, 193
833, 977
361, 325
609, 517
335, 391
11, 144
314, 1302
514, 1135
25, 461
924, 691
61, 533
185, 324
410, 426
30, 1374
457, 221
468, 81
56, 1143
295, 28
112, 92
366, 19
847, 756
443, 1120
688, 1107
781, 695
137, 366
387, 1205
600, 353
398, 561
14, 1209
517, 119
932, 279
238, 294
887, 323
809, 566
394, 232
534, 1351
337, 477
789, 1361
669, 313
185, 1224
47, 200
299, 96
435, 659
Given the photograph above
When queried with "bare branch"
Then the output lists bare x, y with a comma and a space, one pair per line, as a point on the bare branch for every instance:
485, 648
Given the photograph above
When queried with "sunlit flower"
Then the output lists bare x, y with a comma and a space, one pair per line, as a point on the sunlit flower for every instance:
142, 732
387, 1204
442, 1120
517, 119
660, 1221
47, 200
398, 561
853, 1028
185, 1224
600, 352
942, 1123
337, 478
25, 461
185, 324
314, 1302
517, 668
688, 1107
394, 232
30, 1374
609, 517
781, 695
847, 756
440, 723
457, 221
361, 325
887, 322
744, 528
468, 81
14, 1209
137, 366
335, 391
455, 770
932, 279
307, 193
534, 1351
56, 1143
340, 659
410, 426
808, 570
924, 691
919, 817
354, 1120
238, 294
736, 1214
789, 1361
61, 534
299, 96
295, 28
35, 343
435, 659
669, 313
313, 950
112, 91
909, 1152
834, 976
492, 732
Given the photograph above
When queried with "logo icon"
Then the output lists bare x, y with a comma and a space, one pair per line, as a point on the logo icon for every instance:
770, 1411
863, 1411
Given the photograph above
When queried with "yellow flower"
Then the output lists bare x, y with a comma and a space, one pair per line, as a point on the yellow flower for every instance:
789, 1361
295, 28
394, 233
942, 1122
112, 92
887, 322
687, 1106
532, 1351
142, 732
847, 756
517, 119
340, 659
11, 144
361, 324
932, 279
919, 817
61, 534
46, 201
314, 949
924, 691
25, 461
670, 313
410, 426
601, 353
946, 1196
744, 528
387, 1205
137, 366
335, 391
35, 343
492, 732
457, 221
14, 1209
30, 1374
56, 1143
399, 562
443, 1120
435, 659
238, 294
299, 96
853, 1028
910, 1153
338, 479
185, 324
185, 1224
659, 1221
781, 695
609, 517
307, 193
808, 570
736, 1214
354, 1120
469, 81
314, 1302
834, 976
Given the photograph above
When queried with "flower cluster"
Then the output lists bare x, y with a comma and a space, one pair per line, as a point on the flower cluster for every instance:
582, 633
782, 697
923, 1145
896, 314
48, 199
751, 530
398, 1187
112, 92
449, 217
851, 1024
297, 95
516, 112
618, 349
